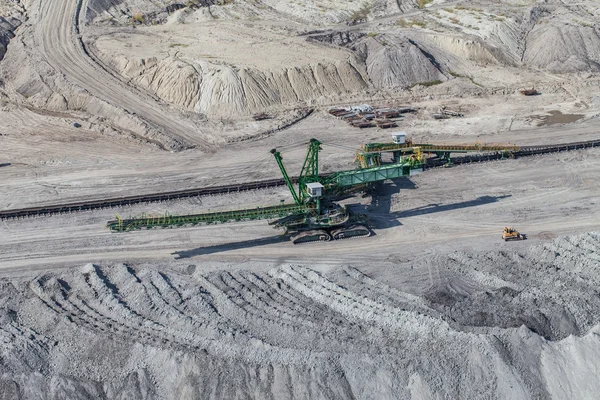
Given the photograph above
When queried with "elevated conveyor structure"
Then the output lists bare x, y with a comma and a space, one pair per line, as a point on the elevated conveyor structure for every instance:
373, 174
429, 147
95, 204
370, 154
169, 221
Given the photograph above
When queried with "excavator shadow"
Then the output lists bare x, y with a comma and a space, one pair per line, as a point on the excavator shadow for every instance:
379, 211
433, 208
381, 216
219, 248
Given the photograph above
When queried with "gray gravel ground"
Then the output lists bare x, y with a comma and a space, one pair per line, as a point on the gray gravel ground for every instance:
484, 325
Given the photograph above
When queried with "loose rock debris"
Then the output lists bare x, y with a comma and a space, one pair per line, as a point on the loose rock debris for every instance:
491, 324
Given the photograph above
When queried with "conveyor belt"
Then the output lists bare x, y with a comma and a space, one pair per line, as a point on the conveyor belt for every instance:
211, 190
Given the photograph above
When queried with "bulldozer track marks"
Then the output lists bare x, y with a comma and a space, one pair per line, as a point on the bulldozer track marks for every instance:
217, 190
263, 301
12, 333
295, 313
243, 302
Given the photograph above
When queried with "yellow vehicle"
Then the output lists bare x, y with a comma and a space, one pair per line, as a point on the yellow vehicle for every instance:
512, 234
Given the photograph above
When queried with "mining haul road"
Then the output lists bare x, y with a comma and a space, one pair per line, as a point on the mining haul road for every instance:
60, 40
557, 196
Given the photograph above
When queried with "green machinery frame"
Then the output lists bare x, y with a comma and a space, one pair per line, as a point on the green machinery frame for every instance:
303, 202
373, 174
172, 221
308, 174
370, 155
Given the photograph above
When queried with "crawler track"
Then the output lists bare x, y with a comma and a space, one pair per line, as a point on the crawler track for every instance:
212, 190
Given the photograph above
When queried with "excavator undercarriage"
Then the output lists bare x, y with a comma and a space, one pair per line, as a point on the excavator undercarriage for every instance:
325, 235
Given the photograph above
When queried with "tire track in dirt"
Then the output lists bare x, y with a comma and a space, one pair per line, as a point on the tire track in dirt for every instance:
353, 306
298, 319
60, 40
233, 314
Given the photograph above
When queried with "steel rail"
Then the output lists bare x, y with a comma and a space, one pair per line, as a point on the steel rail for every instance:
128, 200
213, 190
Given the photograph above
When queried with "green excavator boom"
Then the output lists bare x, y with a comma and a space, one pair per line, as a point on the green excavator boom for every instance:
163, 221
304, 203
286, 177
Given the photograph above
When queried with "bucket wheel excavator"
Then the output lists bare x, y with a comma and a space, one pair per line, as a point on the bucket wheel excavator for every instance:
314, 215
323, 218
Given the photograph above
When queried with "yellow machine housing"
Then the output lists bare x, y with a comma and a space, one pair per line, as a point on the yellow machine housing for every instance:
512, 234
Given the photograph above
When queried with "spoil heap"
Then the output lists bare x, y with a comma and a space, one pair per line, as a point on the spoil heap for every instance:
494, 325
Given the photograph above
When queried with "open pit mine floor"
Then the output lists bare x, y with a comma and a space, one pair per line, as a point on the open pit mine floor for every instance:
130, 107
504, 323
433, 304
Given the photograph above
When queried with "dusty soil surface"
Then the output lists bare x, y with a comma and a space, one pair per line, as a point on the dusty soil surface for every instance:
52, 161
460, 207
184, 76
105, 98
450, 326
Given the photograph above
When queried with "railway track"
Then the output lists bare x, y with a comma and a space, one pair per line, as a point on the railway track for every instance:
213, 190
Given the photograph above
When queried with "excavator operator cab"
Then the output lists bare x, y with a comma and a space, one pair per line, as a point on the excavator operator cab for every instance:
314, 189
399, 137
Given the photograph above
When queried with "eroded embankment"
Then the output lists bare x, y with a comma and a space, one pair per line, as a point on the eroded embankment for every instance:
461, 325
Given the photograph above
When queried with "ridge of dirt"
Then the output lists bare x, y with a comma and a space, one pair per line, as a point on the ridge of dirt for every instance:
292, 330
199, 63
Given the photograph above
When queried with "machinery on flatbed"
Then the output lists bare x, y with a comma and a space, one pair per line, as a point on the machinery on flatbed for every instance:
510, 234
314, 216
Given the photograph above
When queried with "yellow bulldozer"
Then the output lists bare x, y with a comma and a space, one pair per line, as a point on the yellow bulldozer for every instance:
512, 234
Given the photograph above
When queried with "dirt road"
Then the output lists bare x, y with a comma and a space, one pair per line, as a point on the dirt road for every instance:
462, 207
60, 40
